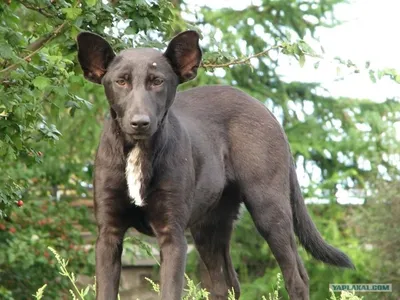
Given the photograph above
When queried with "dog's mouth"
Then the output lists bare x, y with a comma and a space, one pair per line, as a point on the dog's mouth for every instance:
140, 136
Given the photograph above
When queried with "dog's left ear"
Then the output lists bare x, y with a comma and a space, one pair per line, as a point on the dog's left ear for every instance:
94, 55
184, 54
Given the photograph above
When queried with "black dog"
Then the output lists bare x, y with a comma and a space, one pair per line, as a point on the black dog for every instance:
170, 161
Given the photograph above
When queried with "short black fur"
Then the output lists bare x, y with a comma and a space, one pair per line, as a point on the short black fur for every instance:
201, 154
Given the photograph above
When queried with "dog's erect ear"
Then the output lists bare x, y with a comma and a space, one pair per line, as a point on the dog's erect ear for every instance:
184, 54
94, 55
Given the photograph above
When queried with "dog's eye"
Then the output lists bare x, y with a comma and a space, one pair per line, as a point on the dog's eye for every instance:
157, 81
121, 82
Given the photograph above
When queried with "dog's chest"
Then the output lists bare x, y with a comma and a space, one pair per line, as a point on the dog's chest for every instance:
135, 176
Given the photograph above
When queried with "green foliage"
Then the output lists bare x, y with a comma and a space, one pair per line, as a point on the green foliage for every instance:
304, 110
40, 82
192, 290
75, 291
26, 263
50, 120
39, 293
378, 229
345, 296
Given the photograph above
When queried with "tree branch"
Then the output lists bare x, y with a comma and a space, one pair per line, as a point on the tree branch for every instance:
38, 9
36, 46
238, 61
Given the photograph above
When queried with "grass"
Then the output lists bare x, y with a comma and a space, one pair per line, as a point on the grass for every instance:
192, 290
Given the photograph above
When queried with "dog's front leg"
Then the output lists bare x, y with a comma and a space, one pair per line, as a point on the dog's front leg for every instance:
173, 248
108, 262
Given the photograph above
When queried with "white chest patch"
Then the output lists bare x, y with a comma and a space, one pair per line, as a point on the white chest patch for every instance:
134, 176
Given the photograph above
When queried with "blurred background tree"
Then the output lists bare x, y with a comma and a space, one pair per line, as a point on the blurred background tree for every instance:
51, 118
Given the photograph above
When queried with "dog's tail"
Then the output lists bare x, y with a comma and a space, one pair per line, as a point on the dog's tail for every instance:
308, 234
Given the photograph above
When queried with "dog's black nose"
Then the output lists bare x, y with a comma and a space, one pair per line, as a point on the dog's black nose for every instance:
140, 122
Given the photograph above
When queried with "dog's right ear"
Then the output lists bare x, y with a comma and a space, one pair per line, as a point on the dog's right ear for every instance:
94, 55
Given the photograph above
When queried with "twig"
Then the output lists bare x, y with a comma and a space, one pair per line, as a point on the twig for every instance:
36, 46
38, 42
38, 9
238, 61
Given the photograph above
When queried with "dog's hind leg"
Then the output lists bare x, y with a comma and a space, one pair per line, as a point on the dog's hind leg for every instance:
212, 238
212, 244
270, 209
261, 161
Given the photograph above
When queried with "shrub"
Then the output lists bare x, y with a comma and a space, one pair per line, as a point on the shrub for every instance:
25, 261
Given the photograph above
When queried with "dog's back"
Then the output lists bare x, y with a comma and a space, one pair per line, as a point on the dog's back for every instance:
231, 120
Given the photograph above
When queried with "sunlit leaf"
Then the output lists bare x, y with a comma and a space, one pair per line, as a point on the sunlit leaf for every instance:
41, 82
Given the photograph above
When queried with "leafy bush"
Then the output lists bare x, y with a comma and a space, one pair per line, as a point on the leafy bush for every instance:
378, 228
25, 261
40, 80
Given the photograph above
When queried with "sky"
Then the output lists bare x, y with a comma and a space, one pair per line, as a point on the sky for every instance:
369, 32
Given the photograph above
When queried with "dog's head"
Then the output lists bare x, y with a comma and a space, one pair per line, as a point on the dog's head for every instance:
140, 84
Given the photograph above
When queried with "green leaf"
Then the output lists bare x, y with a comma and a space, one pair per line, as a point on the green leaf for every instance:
85, 292
41, 82
131, 30
74, 32
288, 35
306, 48
302, 60
6, 51
372, 76
3, 148
72, 12
72, 111
39, 292
91, 2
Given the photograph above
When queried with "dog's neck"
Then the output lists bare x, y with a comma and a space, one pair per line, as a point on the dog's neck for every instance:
142, 157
